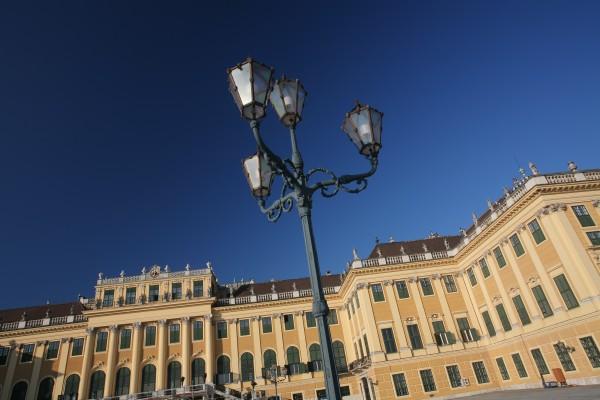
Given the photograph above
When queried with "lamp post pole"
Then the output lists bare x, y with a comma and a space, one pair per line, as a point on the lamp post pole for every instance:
250, 84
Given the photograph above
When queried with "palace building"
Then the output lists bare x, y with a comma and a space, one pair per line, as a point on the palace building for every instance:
511, 302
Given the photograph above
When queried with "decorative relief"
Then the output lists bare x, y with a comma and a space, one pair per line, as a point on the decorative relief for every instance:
496, 299
89, 331
596, 203
137, 325
174, 356
388, 282
162, 321
185, 319
208, 316
298, 313
436, 276
533, 280
232, 321
278, 315
361, 285
413, 279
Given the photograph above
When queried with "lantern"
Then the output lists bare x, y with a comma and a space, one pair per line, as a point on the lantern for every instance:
287, 98
363, 125
259, 175
250, 84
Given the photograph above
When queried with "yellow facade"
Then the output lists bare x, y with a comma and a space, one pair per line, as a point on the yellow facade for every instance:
548, 286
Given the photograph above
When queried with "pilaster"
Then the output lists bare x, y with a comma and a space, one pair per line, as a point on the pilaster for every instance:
233, 340
109, 383
276, 322
255, 332
88, 355
161, 367
209, 348
404, 348
13, 357
425, 328
366, 309
186, 349
63, 356
136, 357
38, 358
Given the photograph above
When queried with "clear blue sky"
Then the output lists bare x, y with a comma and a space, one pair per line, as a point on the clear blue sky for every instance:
120, 145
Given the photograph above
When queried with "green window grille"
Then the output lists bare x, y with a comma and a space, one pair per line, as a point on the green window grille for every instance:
148, 378
517, 245
339, 357
314, 354
198, 288
97, 385
122, 381
454, 375
402, 289
594, 237
438, 326
565, 291
591, 350
488, 323
150, 334
485, 270
521, 310
542, 301
540, 363
366, 342
426, 286
293, 355
130, 295
471, 275
502, 368
463, 324
52, 351
221, 330
77, 347
288, 322
109, 298
101, 339
400, 386
244, 327
198, 330
345, 390
174, 333
377, 291
585, 219
503, 317
427, 380
499, 257
247, 367
267, 326
520, 367
536, 231
332, 317
153, 293
388, 340
176, 291
564, 356
269, 358
414, 336
125, 339
449, 283
480, 372
310, 320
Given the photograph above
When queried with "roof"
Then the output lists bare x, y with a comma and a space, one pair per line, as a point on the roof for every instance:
286, 285
39, 312
415, 246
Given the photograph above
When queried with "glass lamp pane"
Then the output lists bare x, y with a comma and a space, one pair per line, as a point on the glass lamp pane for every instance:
277, 101
363, 124
350, 129
251, 166
241, 79
301, 96
376, 117
289, 90
262, 81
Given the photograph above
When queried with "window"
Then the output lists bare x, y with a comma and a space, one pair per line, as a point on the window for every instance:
583, 216
148, 378
150, 333
427, 380
176, 291
591, 350
247, 367
153, 293
267, 327
45, 389
449, 283
488, 323
402, 289
244, 327
345, 390
297, 396
471, 275
77, 347
594, 237
71, 387
339, 357
125, 339
503, 317
502, 368
517, 246
480, 372
521, 310
293, 357
377, 291
438, 326
19, 391
130, 295
400, 385
122, 381
564, 357
519, 365
314, 354
332, 318
223, 369
565, 291
288, 322
52, 351
539, 361
388, 340
321, 394
221, 330
366, 342
198, 371
542, 301
499, 257
109, 298
269, 358
4, 351
174, 375
454, 375
198, 288
426, 286
485, 270
97, 385
198, 330
174, 331
310, 320
536, 231
101, 341
415, 336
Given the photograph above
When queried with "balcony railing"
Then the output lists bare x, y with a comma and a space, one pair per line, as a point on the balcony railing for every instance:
361, 364
36, 323
226, 301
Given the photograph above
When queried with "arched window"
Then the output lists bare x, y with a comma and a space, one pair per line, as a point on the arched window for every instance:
19, 391
71, 387
269, 359
223, 370
316, 360
45, 389
122, 382
247, 365
174, 375
148, 378
339, 357
97, 385
293, 355
198, 371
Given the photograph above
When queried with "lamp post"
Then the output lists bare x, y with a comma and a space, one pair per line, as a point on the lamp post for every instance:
252, 87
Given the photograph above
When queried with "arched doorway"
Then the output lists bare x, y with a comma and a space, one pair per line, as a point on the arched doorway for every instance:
19, 391
45, 389
198, 371
148, 378
174, 375
71, 387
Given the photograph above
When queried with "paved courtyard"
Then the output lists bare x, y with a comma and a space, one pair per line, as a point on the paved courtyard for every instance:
591, 392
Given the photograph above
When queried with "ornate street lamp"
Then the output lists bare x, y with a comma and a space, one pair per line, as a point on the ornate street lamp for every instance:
252, 88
